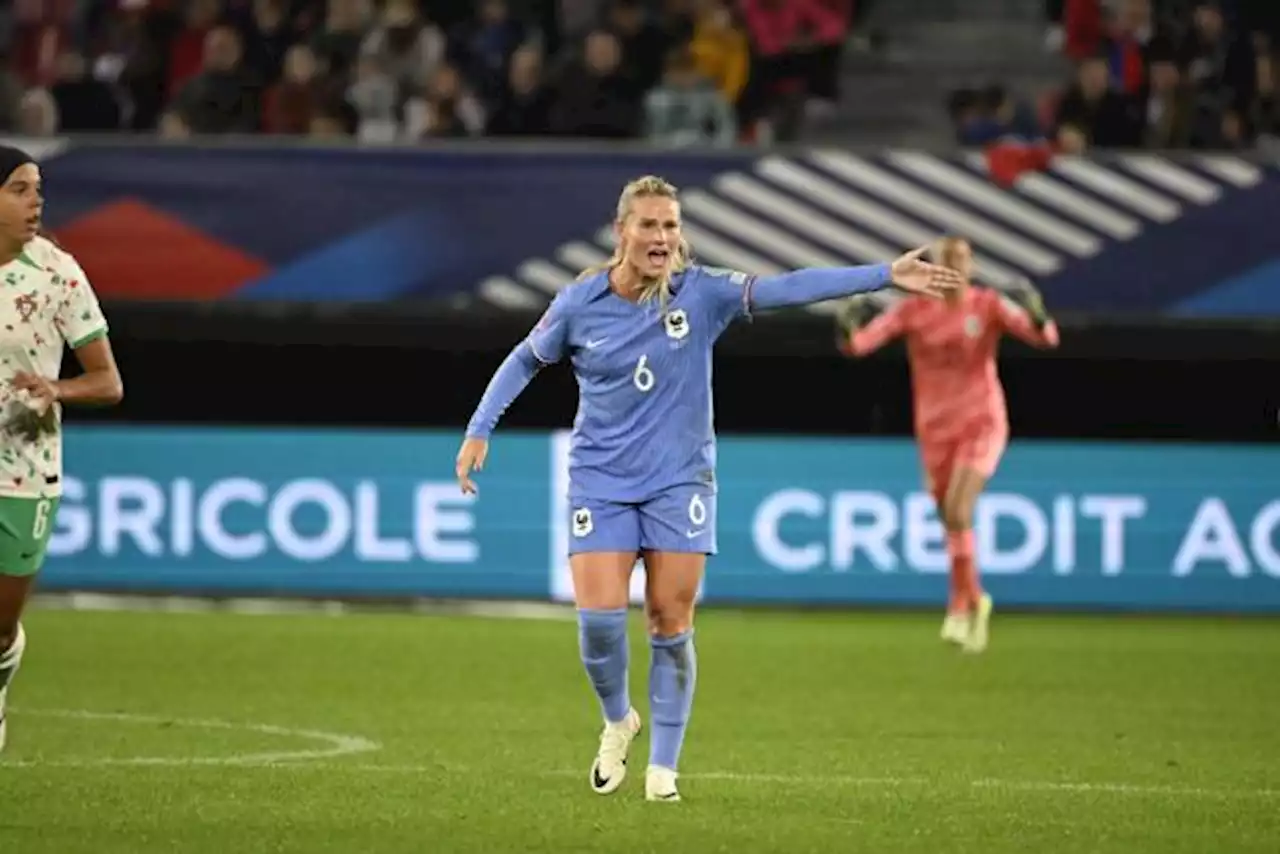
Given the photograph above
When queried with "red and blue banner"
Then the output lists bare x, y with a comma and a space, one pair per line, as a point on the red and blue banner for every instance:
1134, 234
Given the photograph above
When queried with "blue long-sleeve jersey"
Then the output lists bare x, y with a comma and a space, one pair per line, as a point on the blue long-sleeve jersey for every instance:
645, 412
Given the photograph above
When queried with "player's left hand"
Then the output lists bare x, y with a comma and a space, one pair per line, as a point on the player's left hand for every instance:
920, 277
44, 392
1028, 298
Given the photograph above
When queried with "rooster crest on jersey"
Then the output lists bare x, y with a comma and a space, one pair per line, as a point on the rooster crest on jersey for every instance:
582, 523
677, 324
972, 326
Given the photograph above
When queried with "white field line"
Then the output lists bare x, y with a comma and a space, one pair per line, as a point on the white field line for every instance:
330, 745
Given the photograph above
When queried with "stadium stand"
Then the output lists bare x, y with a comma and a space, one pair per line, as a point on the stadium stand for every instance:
1105, 73
1164, 74
405, 70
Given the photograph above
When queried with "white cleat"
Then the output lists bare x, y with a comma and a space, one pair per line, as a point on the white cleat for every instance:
4, 722
660, 785
610, 767
979, 631
955, 628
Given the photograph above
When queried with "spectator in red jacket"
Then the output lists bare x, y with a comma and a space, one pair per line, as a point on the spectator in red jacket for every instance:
42, 32
186, 51
781, 27
289, 104
1082, 22
796, 45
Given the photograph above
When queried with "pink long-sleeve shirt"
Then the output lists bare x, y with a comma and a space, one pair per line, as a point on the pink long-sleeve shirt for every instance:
951, 346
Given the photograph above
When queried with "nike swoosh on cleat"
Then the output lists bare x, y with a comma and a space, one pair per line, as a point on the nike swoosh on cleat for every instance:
598, 781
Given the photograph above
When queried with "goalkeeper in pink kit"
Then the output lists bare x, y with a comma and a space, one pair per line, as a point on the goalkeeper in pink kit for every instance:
961, 421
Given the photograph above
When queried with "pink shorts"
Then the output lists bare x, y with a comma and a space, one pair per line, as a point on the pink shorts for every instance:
978, 449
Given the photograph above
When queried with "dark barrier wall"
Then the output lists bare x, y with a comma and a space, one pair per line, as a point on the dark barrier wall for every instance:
780, 373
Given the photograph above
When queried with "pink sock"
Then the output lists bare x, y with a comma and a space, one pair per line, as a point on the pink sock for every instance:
964, 569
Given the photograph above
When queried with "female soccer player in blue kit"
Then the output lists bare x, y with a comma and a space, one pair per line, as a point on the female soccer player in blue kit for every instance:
639, 332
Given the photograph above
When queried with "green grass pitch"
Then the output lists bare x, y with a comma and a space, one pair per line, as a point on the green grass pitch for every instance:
194, 733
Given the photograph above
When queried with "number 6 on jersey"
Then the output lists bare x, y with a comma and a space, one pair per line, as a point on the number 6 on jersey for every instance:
643, 377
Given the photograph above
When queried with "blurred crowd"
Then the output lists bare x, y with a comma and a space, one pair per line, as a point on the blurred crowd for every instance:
1167, 74
675, 71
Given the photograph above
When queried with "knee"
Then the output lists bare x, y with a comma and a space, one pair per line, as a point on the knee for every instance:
957, 514
671, 614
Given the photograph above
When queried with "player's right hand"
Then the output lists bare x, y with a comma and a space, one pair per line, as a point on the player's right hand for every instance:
470, 458
43, 391
914, 275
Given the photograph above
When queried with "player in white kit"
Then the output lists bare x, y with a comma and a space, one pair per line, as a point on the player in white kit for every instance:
46, 305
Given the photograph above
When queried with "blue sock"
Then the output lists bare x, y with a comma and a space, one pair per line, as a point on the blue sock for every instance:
602, 640
673, 673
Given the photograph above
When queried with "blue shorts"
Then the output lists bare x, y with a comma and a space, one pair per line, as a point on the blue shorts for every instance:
682, 519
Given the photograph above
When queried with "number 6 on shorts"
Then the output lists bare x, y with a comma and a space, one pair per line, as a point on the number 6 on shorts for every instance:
40, 526
25, 526
697, 511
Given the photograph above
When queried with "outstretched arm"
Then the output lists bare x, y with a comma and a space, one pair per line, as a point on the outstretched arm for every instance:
886, 326
736, 294
802, 287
